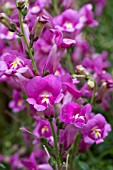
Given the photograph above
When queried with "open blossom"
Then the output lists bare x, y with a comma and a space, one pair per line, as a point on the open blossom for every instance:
47, 61
69, 85
31, 162
60, 41
86, 17
11, 63
42, 128
72, 113
95, 130
5, 34
72, 21
17, 104
98, 64
44, 92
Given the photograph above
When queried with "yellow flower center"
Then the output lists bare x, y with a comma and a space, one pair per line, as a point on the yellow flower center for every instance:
10, 33
45, 98
20, 102
35, 8
44, 129
96, 132
15, 63
65, 40
68, 25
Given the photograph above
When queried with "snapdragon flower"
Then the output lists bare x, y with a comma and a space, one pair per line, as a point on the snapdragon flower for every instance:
72, 113
44, 92
95, 130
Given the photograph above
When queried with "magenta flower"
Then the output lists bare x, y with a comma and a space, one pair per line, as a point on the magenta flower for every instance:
53, 59
71, 21
84, 146
95, 130
67, 3
100, 4
72, 113
12, 63
32, 163
60, 41
68, 135
97, 64
44, 92
5, 34
67, 21
86, 17
15, 161
42, 129
17, 104
69, 85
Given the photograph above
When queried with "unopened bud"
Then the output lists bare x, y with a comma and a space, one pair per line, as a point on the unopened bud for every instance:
81, 70
91, 84
109, 83
22, 3
5, 20
101, 92
38, 27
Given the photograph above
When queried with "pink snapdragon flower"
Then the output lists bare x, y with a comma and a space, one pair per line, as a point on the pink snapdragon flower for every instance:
67, 21
72, 113
99, 6
95, 130
5, 34
53, 59
67, 3
68, 84
31, 162
42, 128
86, 17
17, 104
98, 64
72, 21
12, 63
61, 41
44, 92
68, 135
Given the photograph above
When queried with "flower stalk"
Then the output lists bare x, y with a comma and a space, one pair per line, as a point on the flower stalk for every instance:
26, 42
94, 92
55, 144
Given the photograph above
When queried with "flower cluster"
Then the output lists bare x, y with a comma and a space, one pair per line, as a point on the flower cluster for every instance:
56, 76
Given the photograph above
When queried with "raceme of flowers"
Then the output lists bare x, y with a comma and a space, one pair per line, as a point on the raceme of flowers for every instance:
45, 58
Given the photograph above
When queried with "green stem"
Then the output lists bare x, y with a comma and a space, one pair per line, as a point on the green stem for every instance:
55, 144
26, 42
93, 96
55, 6
68, 57
78, 76
73, 151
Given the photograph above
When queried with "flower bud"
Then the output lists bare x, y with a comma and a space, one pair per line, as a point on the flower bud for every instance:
5, 20
81, 70
101, 92
109, 83
91, 84
23, 6
38, 27
21, 3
